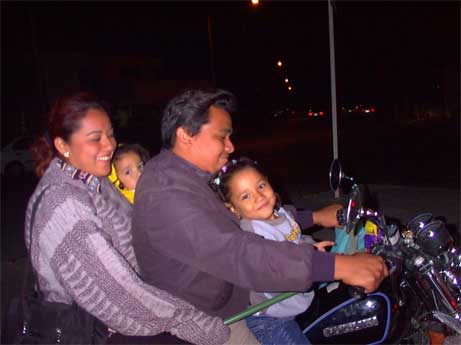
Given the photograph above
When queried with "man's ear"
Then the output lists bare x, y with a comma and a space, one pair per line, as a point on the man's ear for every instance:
60, 145
182, 136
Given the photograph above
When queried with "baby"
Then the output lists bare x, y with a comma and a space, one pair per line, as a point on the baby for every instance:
127, 165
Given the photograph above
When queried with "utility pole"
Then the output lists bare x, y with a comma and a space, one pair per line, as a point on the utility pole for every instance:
334, 116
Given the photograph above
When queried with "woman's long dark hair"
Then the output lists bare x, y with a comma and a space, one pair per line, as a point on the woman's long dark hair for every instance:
63, 120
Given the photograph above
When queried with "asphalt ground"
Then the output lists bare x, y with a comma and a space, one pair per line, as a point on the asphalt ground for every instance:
408, 169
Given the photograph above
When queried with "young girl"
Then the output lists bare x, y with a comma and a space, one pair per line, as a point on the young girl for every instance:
127, 165
247, 193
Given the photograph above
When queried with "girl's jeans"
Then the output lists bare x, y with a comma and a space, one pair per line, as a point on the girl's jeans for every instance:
275, 331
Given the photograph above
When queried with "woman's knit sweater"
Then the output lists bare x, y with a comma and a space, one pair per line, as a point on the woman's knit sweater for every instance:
81, 250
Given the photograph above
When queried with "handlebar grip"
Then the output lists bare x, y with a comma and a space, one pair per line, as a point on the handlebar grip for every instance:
356, 292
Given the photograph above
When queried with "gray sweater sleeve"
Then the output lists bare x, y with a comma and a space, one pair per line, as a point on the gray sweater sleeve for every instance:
86, 265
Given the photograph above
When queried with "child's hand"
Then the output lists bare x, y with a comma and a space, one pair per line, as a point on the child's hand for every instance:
323, 244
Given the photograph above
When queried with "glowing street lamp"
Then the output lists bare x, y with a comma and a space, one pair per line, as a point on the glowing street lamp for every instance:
279, 63
255, 2
289, 88
286, 80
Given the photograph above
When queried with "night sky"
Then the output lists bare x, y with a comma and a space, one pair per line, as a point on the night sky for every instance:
383, 49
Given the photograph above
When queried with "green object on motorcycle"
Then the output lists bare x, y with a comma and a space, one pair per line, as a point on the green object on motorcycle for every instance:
258, 307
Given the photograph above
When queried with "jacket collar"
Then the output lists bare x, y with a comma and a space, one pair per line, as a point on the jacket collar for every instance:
93, 183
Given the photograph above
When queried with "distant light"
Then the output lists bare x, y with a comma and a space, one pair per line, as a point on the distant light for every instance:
310, 113
372, 109
279, 63
286, 80
289, 88
254, 2
321, 113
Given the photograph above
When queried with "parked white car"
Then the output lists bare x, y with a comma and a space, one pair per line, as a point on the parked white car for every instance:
16, 157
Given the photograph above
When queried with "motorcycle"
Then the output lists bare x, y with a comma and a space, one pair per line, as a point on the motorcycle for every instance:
421, 295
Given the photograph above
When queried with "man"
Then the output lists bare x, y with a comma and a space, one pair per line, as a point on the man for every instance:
189, 244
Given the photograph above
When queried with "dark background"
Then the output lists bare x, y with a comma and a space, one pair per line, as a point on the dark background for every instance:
402, 57
393, 54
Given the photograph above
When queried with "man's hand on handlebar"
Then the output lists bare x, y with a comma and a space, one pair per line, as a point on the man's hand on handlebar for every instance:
361, 269
326, 216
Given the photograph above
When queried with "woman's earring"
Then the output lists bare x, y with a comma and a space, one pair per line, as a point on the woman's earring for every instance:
121, 185
67, 154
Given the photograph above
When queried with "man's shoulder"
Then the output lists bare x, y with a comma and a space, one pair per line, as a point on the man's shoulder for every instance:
167, 170
160, 159
165, 160
155, 171
164, 179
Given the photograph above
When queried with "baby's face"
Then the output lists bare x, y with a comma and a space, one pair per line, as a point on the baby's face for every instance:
129, 167
252, 196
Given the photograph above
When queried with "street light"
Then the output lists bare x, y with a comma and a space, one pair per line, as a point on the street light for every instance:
289, 88
255, 2
279, 63
286, 80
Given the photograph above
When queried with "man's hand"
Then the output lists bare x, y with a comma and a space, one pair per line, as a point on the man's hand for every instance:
326, 216
361, 269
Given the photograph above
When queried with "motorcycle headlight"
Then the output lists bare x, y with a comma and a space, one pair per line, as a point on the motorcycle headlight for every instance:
419, 222
434, 238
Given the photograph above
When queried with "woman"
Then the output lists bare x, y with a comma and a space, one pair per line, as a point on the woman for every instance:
81, 237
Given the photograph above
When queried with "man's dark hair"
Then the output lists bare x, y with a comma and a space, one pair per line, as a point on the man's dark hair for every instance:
190, 111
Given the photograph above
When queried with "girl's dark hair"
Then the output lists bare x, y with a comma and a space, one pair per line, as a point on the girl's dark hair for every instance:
136, 148
220, 183
63, 120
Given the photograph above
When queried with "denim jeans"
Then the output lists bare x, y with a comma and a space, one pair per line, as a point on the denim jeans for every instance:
275, 331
